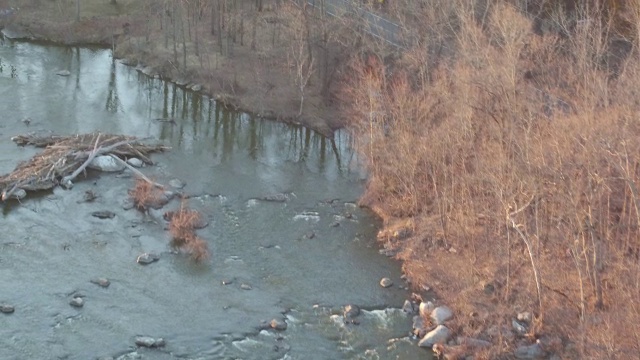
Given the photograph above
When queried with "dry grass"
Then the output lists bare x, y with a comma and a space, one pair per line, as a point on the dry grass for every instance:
182, 225
146, 195
517, 160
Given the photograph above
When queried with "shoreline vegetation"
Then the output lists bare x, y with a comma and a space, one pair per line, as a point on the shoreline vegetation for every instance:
502, 140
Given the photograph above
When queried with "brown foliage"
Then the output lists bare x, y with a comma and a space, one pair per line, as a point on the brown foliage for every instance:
518, 161
145, 195
182, 225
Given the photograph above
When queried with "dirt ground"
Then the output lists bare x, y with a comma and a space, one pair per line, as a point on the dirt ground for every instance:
255, 74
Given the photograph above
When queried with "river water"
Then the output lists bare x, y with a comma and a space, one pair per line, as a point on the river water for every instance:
303, 259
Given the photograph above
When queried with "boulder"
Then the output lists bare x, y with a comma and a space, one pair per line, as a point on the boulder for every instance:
534, 351
473, 342
425, 309
518, 328
439, 335
105, 163
441, 314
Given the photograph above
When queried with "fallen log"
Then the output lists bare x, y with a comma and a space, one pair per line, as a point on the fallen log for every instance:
66, 157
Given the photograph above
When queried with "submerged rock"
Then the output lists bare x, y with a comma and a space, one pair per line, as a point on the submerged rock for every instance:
63, 72
147, 258
103, 214
7, 309
245, 287
280, 197
177, 183
103, 282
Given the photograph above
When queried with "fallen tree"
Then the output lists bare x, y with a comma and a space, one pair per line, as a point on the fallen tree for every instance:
66, 157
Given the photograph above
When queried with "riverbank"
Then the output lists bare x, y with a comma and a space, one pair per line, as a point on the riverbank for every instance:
249, 69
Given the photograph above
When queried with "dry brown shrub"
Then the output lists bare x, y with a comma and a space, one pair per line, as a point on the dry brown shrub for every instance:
519, 163
182, 227
145, 195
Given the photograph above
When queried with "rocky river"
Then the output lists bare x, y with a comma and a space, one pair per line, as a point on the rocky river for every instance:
289, 248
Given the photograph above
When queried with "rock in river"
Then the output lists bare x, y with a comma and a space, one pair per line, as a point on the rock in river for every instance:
103, 214
6, 309
63, 73
279, 325
77, 302
101, 282
147, 258
386, 282
351, 311
148, 341
438, 335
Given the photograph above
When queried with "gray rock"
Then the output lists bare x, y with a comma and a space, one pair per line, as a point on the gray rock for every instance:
63, 73
77, 302
148, 341
7, 309
103, 214
245, 287
426, 307
351, 311
386, 282
439, 335
135, 162
101, 282
441, 314
105, 163
534, 351
519, 328
279, 325
147, 258
409, 307
280, 197
196, 87
177, 183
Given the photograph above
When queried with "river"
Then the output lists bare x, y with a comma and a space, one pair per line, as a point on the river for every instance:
303, 259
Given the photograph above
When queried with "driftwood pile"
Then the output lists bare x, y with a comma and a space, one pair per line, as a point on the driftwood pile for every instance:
66, 157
